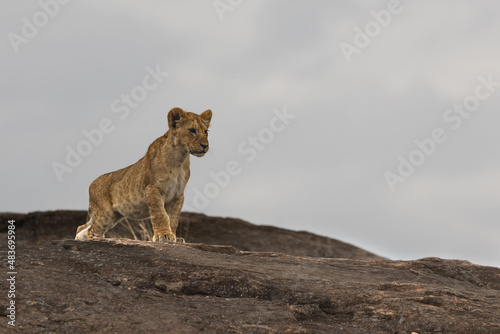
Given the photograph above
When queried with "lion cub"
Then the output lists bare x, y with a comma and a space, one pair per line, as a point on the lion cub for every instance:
154, 185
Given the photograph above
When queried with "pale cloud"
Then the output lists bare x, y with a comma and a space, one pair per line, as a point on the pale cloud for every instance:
323, 173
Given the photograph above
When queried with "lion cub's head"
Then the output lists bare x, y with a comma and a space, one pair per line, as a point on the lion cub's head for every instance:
190, 130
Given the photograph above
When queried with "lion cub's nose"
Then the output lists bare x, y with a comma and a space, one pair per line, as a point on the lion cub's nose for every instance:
204, 146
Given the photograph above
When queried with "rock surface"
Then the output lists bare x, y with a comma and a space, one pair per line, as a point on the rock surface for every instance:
43, 227
127, 286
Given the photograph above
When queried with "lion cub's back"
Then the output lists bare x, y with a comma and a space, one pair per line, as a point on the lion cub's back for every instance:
120, 185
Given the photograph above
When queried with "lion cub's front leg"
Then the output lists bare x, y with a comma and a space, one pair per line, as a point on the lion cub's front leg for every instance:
174, 210
159, 217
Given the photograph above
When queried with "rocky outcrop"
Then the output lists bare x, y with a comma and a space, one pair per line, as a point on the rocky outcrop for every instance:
42, 227
127, 286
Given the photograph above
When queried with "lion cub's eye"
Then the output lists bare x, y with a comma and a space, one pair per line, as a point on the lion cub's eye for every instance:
206, 132
192, 130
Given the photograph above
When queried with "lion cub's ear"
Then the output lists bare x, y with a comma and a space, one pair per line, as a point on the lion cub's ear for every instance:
174, 116
206, 117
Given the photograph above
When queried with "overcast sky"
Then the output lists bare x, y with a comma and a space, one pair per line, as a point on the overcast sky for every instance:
372, 122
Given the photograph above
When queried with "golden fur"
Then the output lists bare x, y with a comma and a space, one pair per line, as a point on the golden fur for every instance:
154, 185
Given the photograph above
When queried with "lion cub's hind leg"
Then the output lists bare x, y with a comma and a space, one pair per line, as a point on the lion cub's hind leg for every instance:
97, 226
82, 231
88, 231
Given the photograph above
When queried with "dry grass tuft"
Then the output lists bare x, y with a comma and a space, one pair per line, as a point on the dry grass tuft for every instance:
137, 230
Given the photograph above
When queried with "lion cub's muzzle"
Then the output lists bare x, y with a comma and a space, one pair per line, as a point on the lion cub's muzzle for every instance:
201, 152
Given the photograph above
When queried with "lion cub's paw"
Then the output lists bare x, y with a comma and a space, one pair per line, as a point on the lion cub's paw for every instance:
180, 240
170, 238
83, 234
